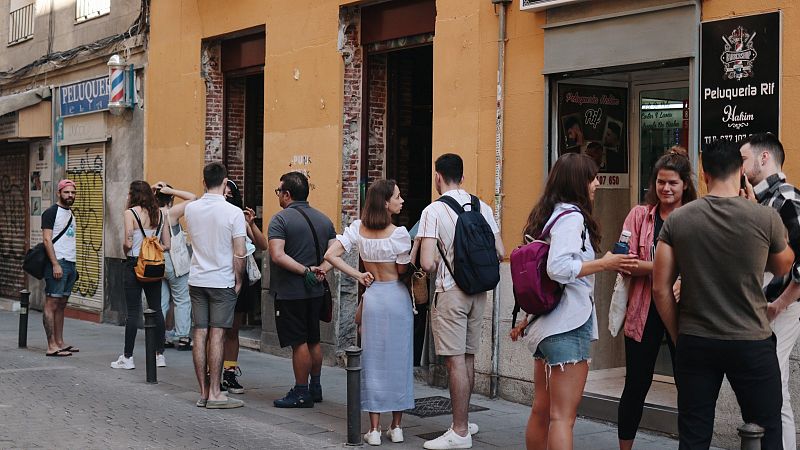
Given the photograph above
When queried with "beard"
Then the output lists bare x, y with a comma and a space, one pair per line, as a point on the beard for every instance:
68, 201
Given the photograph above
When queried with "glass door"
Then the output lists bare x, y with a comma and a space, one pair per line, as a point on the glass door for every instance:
663, 123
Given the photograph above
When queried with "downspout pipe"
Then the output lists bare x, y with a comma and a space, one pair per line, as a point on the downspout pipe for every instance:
498, 185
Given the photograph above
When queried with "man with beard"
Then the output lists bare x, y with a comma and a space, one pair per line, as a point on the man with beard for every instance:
60, 274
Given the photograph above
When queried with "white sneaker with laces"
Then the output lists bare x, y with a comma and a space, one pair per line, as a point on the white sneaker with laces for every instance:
373, 437
395, 434
123, 363
450, 439
161, 361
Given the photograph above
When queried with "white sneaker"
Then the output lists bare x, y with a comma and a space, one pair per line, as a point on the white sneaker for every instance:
123, 363
373, 437
449, 439
395, 434
161, 361
473, 428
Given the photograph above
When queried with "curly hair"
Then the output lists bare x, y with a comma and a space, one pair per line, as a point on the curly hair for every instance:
141, 194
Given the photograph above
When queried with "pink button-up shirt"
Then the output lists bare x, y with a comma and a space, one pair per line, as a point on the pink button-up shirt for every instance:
641, 223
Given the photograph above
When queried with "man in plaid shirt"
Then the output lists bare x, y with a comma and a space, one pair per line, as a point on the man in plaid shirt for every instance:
763, 157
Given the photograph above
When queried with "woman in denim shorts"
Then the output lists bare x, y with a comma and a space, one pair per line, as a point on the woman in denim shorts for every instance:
560, 340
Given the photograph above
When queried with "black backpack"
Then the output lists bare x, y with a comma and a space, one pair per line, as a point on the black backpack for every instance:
475, 268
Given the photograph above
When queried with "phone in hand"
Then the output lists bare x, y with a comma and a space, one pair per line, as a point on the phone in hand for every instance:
743, 183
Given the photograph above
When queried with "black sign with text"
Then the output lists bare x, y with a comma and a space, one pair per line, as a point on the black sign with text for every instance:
740, 77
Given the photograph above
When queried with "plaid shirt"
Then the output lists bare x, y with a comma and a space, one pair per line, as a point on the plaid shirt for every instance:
775, 192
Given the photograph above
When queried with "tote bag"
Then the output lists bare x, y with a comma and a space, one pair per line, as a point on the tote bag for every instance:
179, 251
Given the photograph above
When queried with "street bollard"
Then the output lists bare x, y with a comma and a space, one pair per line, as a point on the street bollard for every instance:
751, 435
24, 302
151, 340
353, 396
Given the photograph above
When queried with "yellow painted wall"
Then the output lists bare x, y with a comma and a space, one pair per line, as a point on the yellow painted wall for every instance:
790, 66
303, 95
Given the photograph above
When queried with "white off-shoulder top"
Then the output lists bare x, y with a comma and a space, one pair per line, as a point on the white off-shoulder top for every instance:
393, 249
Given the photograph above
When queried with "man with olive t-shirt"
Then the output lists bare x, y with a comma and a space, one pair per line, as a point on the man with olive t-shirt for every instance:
722, 244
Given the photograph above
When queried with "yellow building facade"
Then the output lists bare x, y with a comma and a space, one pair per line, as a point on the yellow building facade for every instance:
351, 91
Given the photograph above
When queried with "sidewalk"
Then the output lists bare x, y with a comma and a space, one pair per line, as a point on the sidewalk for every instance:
79, 402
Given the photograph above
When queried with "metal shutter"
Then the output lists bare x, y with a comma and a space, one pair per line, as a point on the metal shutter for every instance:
85, 166
13, 220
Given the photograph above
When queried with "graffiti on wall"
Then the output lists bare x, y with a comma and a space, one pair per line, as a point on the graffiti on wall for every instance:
85, 168
13, 210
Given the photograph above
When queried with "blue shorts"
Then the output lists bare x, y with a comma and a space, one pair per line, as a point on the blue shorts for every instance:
63, 286
566, 348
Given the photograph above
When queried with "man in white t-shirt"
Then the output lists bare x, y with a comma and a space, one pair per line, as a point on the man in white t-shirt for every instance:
60, 274
456, 317
217, 230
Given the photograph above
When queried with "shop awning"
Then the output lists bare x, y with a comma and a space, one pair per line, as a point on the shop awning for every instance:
15, 102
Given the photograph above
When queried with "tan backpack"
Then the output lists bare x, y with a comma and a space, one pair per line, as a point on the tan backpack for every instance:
150, 265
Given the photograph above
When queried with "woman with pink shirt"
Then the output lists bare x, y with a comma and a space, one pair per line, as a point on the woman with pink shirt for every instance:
671, 186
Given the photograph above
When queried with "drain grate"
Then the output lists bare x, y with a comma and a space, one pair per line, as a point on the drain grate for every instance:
437, 406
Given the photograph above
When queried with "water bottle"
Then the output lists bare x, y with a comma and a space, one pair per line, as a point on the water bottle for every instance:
622, 247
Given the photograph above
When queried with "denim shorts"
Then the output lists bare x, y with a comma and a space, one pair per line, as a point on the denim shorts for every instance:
566, 348
62, 287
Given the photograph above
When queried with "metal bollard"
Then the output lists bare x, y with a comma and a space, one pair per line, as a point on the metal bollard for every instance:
353, 396
24, 302
151, 339
751, 435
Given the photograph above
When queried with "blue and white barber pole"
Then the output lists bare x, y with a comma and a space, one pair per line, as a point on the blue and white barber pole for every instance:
117, 100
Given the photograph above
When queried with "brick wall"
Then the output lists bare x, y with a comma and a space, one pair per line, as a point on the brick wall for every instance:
235, 88
376, 151
211, 72
353, 56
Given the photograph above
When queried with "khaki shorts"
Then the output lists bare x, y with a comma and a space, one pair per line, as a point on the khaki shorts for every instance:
457, 322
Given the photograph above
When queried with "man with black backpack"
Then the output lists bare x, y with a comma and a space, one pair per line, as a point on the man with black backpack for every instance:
60, 274
461, 243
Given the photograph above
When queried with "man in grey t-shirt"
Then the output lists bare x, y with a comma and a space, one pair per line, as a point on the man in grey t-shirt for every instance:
296, 275
722, 244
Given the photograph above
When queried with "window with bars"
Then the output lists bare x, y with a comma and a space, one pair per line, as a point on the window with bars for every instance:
89, 9
21, 20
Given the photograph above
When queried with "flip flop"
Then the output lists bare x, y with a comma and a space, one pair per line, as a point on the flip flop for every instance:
201, 403
70, 348
59, 353
224, 404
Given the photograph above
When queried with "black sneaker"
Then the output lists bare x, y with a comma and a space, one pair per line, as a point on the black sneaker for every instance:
229, 380
184, 344
295, 400
316, 392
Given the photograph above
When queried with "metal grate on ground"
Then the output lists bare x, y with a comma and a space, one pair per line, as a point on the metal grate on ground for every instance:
436, 406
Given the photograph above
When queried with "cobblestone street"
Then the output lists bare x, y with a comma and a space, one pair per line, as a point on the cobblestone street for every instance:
79, 402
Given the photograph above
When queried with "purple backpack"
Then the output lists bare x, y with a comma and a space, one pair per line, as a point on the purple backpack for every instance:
534, 291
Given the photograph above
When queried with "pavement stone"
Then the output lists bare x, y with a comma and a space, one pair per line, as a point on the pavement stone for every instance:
79, 402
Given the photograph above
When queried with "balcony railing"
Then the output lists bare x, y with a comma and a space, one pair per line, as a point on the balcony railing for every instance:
21, 24
89, 9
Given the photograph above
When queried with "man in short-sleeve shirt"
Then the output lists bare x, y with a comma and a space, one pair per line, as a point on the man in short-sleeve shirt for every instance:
296, 274
217, 231
456, 317
60, 274
722, 244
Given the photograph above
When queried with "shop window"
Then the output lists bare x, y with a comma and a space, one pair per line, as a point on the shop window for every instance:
20, 21
90, 9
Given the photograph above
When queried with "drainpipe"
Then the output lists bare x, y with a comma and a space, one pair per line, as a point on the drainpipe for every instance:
498, 185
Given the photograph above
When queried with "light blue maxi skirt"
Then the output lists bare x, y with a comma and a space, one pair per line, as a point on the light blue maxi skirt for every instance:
387, 324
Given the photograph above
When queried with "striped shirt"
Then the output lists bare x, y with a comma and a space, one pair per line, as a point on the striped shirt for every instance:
776, 193
439, 221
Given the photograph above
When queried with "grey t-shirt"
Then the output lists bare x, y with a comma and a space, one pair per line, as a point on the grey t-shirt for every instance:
292, 227
721, 245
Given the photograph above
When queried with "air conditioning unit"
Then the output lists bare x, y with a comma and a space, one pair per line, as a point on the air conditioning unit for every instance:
540, 5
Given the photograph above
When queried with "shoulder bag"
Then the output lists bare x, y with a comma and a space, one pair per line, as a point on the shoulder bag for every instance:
326, 311
36, 259
178, 251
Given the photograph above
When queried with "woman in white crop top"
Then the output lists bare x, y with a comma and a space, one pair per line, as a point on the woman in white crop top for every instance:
387, 382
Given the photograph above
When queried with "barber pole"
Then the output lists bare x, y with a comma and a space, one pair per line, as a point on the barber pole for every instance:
116, 81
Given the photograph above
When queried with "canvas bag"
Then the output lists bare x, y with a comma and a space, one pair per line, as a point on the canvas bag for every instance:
534, 291
619, 305
178, 251
150, 264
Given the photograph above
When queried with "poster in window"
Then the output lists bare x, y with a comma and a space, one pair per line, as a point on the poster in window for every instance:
593, 120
